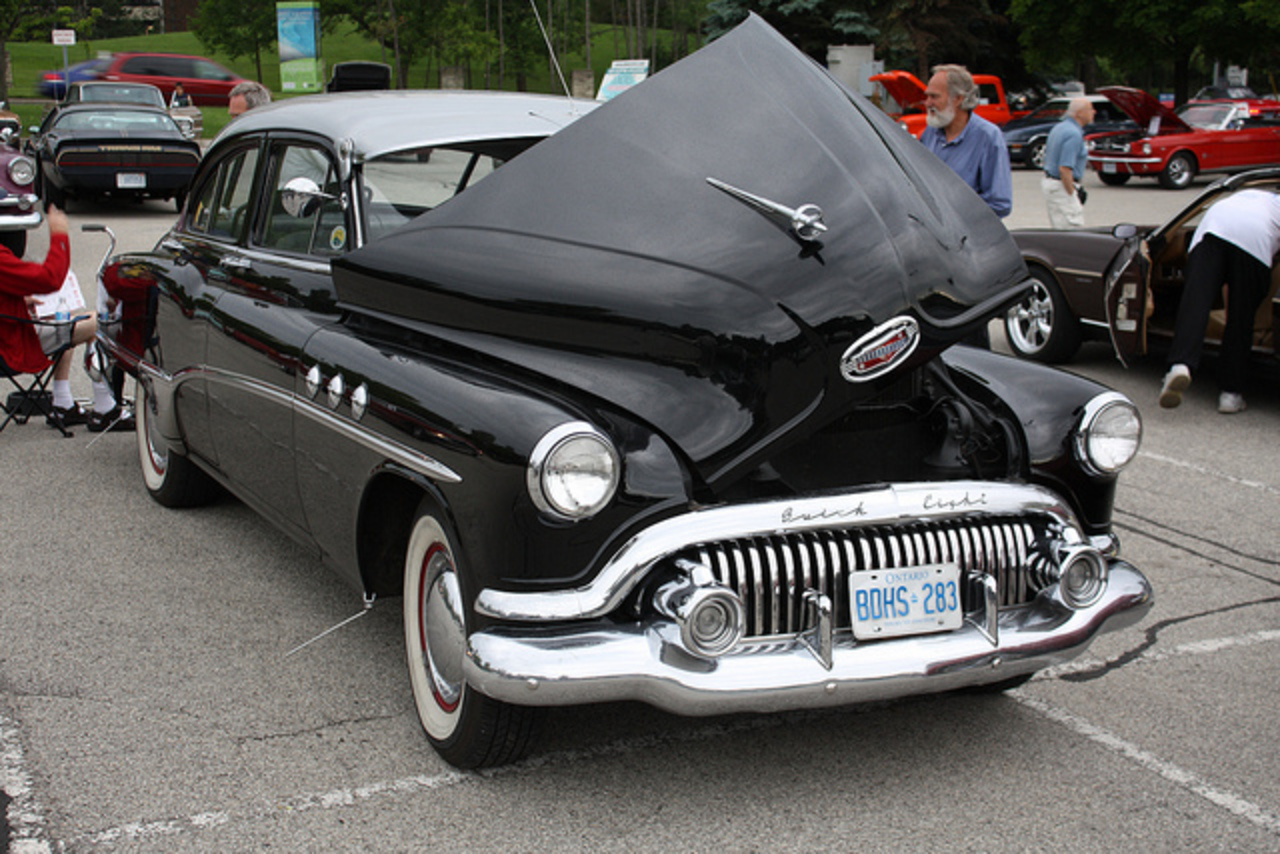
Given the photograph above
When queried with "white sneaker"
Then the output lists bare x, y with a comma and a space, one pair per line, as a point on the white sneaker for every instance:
1229, 403
1175, 383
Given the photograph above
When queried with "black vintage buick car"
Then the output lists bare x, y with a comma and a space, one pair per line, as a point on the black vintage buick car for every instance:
668, 407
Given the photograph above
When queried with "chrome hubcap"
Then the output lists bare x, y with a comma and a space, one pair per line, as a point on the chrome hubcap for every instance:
1031, 321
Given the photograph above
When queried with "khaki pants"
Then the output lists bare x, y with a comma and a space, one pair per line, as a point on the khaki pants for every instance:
1065, 210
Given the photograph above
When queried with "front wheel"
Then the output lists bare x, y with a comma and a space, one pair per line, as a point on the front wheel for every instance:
1178, 172
1042, 326
172, 479
467, 729
1114, 179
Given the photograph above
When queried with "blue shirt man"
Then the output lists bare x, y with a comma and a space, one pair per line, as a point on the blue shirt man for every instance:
972, 146
1065, 159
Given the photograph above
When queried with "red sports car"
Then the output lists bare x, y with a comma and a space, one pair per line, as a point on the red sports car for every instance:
1174, 147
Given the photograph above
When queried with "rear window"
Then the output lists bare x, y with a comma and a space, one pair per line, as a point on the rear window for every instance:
123, 121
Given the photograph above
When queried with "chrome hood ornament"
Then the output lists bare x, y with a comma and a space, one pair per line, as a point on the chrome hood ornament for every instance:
804, 223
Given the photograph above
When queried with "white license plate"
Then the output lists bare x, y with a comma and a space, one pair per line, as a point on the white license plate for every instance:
1108, 167
131, 180
889, 603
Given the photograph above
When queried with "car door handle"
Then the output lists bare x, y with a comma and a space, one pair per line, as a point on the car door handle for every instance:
237, 263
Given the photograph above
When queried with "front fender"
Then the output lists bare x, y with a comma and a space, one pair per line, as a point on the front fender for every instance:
1048, 405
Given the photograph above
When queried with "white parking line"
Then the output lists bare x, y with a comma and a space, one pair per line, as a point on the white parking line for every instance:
27, 817
1229, 801
1199, 469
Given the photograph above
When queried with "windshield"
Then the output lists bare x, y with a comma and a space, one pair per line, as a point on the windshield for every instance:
1209, 116
1051, 111
401, 185
122, 94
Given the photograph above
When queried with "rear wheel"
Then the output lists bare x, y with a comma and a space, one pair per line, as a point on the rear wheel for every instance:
1178, 172
467, 729
1113, 179
1042, 326
1035, 155
172, 479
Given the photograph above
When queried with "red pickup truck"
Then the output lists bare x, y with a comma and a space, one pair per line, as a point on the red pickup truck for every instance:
905, 88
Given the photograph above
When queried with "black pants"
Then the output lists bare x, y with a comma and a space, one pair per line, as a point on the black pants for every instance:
1213, 263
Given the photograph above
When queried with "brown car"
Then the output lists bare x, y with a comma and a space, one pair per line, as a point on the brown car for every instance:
1098, 283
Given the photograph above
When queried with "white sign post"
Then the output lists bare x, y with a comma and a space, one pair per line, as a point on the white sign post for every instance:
66, 38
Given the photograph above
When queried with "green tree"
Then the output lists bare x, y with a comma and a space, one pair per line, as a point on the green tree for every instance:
13, 14
810, 25
237, 28
1132, 37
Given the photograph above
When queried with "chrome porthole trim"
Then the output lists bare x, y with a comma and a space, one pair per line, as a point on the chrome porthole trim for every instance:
314, 378
359, 401
336, 389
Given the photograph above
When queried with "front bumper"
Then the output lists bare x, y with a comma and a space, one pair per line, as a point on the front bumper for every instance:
1126, 165
604, 661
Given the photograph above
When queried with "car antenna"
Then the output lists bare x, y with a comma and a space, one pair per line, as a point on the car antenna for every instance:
533, 4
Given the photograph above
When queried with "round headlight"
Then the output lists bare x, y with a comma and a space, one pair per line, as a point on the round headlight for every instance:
573, 471
1110, 433
22, 171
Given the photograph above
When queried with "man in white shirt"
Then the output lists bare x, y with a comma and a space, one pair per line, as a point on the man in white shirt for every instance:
1235, 244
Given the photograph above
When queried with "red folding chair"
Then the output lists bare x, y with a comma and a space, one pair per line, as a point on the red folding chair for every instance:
35, 396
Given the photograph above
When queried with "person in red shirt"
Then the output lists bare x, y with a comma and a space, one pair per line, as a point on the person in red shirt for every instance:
26, 346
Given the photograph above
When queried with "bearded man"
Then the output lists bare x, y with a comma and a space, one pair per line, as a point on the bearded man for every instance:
972, 146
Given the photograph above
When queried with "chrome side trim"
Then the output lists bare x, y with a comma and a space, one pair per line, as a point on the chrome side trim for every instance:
165, 385
608, 662
887, 505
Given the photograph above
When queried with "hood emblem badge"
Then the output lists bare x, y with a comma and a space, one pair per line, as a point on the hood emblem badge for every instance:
804, 223
880, 350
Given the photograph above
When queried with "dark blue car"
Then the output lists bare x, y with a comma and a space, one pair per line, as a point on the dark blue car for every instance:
53, 84
1025, 136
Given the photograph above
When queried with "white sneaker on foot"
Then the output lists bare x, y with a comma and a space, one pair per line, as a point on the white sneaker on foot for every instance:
1229, 403
1175, 383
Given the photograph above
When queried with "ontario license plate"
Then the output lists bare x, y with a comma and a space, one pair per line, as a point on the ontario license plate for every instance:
131, 180
890, 603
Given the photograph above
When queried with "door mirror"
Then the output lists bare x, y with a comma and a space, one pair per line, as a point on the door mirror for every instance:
302, 197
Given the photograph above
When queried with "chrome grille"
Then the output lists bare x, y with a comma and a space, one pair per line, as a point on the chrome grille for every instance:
772, 573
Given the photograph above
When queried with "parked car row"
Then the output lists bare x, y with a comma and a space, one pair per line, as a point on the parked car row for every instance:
718, 448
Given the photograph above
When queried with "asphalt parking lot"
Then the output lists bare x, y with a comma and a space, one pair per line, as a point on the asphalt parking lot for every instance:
148, 700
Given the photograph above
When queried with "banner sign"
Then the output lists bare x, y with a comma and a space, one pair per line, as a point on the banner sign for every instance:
298, 34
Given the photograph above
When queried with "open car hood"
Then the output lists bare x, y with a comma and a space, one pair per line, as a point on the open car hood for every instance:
904, 87
1143, 109
661, 254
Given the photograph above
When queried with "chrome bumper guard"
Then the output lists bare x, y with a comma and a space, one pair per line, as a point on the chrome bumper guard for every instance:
605, 662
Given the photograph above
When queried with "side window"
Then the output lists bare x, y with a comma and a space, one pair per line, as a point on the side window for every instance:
312, 225
223, 204
205, 70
